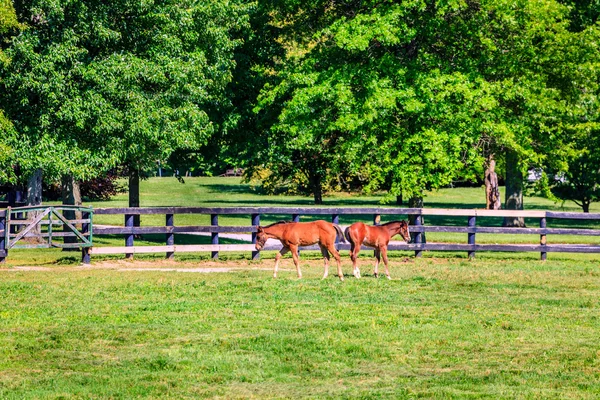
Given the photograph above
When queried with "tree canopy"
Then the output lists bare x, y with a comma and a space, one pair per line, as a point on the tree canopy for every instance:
93, 84
377, 95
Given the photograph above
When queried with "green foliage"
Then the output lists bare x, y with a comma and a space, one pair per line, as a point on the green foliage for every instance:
581, 182
94, 84
9, 136
410, 96
8, 17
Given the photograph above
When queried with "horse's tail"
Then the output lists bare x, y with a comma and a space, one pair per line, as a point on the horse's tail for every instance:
347, 235
340, 233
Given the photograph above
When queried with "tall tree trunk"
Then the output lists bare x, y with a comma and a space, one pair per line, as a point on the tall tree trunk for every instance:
513, 198
416, 202
317, 189
134, 192
71, 196
34, 198
492, 191
399, 199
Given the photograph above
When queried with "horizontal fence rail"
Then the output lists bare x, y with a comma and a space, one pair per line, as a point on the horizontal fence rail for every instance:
375, 214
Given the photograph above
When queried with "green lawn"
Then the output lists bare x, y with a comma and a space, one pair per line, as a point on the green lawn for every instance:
443, 328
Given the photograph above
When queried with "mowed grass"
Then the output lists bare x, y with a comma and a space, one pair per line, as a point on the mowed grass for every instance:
443, 328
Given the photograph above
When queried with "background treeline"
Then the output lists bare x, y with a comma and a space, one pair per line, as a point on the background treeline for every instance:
306, 97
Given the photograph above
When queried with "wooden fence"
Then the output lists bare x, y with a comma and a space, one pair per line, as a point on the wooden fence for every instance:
374, 215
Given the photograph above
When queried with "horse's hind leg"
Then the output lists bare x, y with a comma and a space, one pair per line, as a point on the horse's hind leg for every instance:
336, 255
354, 258
277, 258
385, 261
325, 259
377, 260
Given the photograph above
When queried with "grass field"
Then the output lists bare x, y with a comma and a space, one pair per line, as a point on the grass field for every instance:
502, 326
443, 328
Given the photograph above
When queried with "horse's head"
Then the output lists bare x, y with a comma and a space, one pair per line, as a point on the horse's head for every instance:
261, 238
404, 232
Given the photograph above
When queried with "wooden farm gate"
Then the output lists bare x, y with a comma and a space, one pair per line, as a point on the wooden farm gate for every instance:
46, 227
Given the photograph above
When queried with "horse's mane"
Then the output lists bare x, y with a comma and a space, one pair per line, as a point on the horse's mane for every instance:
277, 223
392, 222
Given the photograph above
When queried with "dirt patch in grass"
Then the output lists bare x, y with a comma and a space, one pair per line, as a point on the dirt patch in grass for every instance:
162, 266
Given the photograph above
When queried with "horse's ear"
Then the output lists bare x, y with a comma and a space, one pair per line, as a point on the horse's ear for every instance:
260, 229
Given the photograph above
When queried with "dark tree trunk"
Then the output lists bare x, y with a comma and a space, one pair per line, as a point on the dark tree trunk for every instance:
416, 202
70, 196
399, 200
316, 183
34, 198
513, 198
34, 188
586, 206
492, 191
134, 192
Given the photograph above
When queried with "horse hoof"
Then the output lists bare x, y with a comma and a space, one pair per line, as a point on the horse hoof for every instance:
342, 278
376, 275
389, 278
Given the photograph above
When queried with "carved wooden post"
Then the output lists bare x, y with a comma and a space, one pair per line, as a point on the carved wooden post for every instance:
255, 222
170, 236
543, 238
85, 229
214, 221
471, 235
129, 236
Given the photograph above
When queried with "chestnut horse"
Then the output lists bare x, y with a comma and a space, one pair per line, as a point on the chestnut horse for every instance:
377, 236
295, 234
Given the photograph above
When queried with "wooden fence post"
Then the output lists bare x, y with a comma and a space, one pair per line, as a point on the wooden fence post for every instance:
295, 217
376, 221
255, 222
419, 235
129, 236
85, 228
170, 236
214, 221
3, 237
543, 238
471, 235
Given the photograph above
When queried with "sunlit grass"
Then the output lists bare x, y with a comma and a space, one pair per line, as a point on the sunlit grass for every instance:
443, 328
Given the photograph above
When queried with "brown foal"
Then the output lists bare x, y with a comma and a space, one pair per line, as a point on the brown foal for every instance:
377, 236
295, 234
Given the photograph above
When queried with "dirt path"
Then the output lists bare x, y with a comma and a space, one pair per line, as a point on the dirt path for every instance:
158, 266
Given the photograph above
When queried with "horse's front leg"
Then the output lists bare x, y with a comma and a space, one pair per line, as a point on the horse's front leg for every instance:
325, 253
296, 258
377, 260
278, 258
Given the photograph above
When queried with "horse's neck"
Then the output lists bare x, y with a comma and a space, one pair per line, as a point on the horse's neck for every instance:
394, 228
275, 231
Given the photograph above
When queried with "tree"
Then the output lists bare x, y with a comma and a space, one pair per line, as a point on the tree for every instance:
413, 91
95, 84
